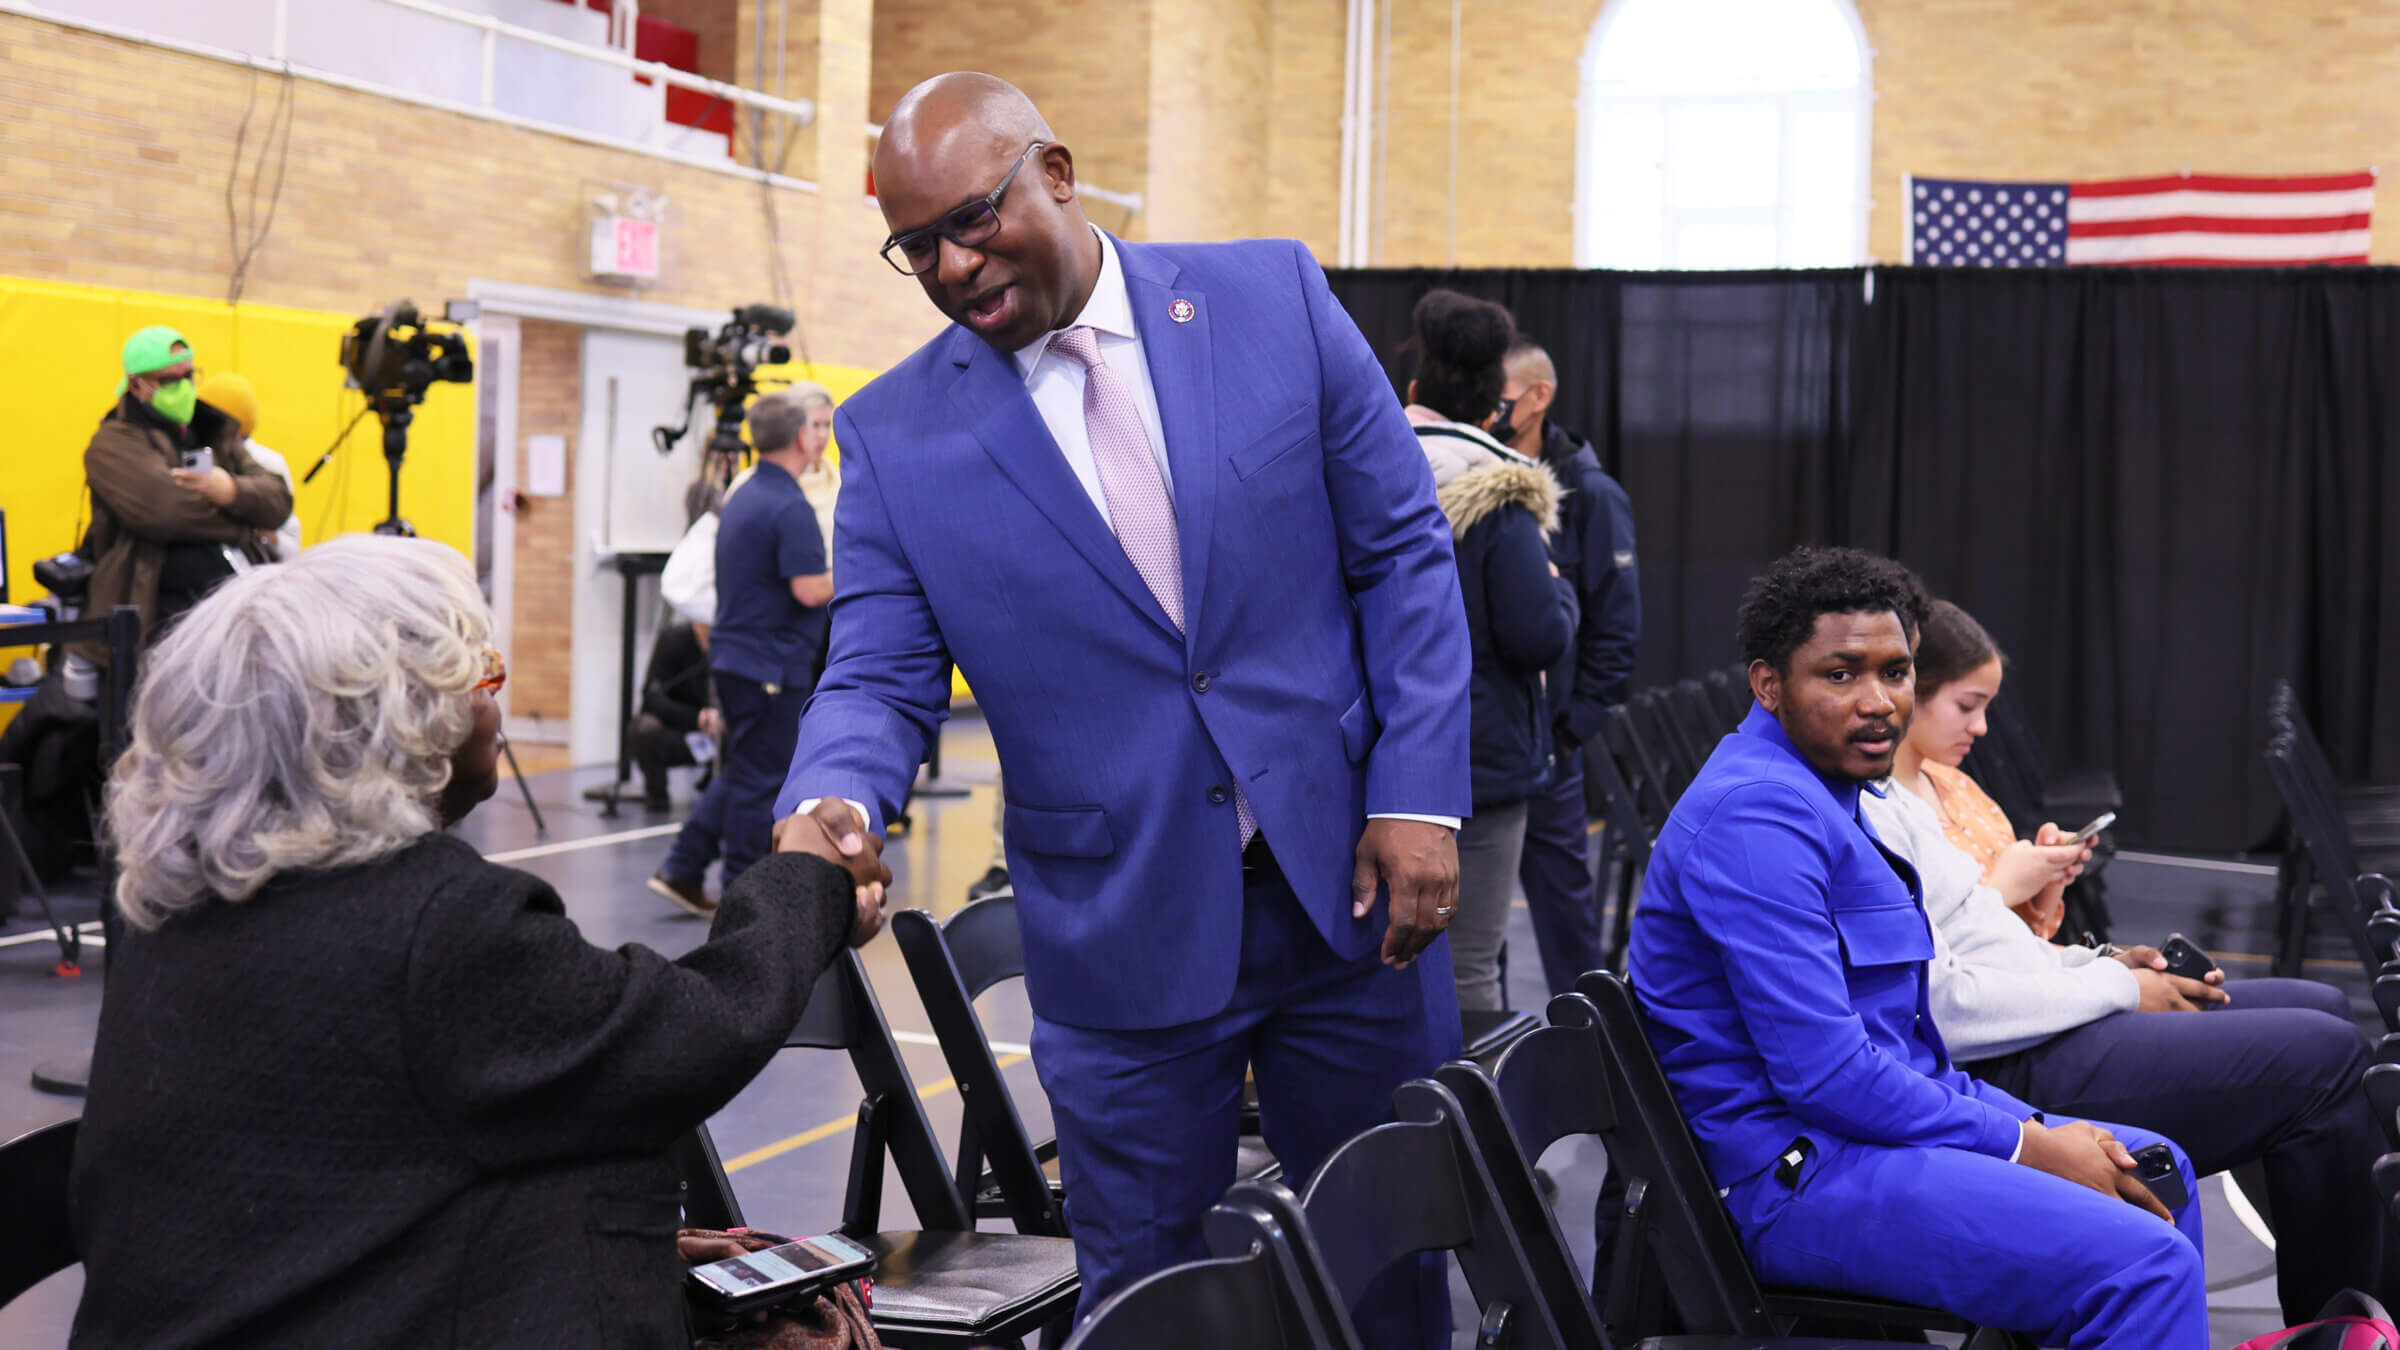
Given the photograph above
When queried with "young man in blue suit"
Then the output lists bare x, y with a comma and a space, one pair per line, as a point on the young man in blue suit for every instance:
1779, 952
1161, 507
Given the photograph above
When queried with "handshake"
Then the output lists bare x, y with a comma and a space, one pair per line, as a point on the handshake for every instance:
831, 830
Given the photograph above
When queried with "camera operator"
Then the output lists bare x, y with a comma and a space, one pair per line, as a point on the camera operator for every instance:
178, 505
773, 584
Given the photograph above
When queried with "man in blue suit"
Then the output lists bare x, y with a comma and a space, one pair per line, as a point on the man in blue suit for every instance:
1160, 506
1779, 952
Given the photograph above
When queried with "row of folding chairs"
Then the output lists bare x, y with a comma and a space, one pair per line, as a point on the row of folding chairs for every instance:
1649, 752
1454, 1173
2338, 842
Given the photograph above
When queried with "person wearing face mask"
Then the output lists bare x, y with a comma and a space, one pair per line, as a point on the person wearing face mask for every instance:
1502, 509
178, 504
1594, 551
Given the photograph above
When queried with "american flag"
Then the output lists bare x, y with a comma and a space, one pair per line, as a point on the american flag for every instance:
2183, 220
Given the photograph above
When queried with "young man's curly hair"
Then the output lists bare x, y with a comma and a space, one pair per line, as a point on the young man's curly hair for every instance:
1779, 612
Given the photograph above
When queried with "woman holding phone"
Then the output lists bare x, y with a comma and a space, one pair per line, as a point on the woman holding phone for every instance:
2271, 1070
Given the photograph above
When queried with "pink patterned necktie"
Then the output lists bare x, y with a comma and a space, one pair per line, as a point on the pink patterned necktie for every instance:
1138, 505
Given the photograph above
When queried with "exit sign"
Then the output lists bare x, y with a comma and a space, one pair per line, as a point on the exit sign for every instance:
625, 247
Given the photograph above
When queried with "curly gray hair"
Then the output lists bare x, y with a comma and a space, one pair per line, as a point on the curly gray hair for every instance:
302, 716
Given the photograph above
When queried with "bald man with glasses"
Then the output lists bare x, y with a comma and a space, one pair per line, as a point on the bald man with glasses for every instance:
1160, 505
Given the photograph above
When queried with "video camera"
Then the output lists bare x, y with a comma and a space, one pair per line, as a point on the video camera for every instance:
393, 358
724, 367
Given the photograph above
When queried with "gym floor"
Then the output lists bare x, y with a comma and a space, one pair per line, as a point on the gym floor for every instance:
786, 1138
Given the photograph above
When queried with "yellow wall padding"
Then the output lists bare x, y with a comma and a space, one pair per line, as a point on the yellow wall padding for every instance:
59, 368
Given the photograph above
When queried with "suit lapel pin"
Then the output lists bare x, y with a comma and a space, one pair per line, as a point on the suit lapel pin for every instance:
1181, 311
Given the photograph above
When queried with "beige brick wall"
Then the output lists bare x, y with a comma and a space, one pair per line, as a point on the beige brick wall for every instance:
1973, 88
380, 199
1209, 100
1085, 62
1304, 125
549, 403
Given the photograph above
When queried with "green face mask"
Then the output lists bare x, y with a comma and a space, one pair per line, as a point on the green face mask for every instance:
175, 401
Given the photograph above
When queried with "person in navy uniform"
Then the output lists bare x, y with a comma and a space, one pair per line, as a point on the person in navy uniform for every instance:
773, 584
1779, 952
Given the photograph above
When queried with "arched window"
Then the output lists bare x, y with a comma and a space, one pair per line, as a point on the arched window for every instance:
1723, 133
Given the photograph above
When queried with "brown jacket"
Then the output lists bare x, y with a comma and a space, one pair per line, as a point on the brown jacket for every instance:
137, 509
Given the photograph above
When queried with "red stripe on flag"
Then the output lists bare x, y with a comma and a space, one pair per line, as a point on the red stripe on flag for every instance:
2345, 259
2201, 182
2104, 229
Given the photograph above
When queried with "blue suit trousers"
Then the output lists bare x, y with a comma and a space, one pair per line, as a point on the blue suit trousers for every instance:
1148, 1121
1991, 1241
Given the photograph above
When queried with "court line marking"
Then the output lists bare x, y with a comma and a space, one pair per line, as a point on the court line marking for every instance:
927, 1038
834, 1127
88, 930
578, 845
2246, 1212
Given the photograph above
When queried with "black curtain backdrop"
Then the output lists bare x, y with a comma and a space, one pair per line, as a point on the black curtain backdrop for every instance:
2159, 489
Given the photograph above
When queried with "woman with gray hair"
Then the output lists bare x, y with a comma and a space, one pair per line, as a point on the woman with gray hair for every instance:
353, 1084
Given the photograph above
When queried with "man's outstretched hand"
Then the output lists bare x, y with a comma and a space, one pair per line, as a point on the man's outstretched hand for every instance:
1418, 861
832, 831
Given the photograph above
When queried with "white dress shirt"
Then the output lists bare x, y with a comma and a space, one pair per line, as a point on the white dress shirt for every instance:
1056, 384
1056, 381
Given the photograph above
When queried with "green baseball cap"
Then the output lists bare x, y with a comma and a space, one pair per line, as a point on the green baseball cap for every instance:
153, 348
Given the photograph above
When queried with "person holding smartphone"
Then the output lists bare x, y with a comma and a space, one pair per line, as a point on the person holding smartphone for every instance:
178, 504
2271, 1070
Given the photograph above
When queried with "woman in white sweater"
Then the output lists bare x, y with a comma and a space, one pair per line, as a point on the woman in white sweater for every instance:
2272, 1069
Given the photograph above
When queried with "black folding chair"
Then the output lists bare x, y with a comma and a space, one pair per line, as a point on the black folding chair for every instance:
1699, 716
36, 1242
1663, 738
1559, 1090
1261, 1290
945, 1284
2371, 812
1626, 839
953, 963
1641, 743
2320, 834
1418, 1185
2387, 1183
2383, 1099
1676, 1219
1410, 1186
1733, 690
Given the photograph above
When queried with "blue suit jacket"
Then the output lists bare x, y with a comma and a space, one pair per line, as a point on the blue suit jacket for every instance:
1779, 952
1324, 668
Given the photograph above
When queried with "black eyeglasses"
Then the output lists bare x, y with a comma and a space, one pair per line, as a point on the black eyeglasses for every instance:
915, 253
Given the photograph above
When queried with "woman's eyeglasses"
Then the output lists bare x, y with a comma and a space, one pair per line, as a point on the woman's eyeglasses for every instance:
495, 672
